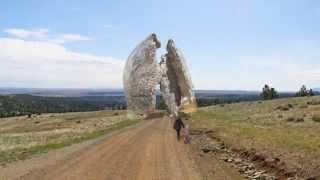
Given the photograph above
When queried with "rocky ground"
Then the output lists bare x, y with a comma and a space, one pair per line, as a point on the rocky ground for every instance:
250, 164
249, 167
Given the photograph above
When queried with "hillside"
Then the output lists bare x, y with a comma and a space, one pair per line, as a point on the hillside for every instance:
23, 104
276, 139
281, 136
22, 137
16, 102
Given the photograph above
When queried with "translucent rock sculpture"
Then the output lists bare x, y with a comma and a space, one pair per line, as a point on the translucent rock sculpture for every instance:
180, 83
141, 76
166, 92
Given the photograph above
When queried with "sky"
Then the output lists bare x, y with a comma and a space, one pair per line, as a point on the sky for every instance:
228, 45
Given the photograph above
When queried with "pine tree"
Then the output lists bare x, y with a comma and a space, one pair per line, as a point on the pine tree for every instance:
269, 93
304, 92
311, 92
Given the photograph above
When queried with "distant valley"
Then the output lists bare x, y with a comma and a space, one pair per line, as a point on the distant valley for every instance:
26, 101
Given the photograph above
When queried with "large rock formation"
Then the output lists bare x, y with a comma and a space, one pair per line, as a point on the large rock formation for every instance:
142, 74
166, 89
180, 84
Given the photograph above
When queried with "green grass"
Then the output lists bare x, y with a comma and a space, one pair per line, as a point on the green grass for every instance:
264, 126
24, 153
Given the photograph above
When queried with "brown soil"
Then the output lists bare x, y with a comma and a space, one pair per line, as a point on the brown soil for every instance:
148, 150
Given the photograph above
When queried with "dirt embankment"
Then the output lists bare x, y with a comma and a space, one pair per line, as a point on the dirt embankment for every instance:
251, 164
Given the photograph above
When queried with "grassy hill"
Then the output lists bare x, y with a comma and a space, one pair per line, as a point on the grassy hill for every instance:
285, 129
21, 137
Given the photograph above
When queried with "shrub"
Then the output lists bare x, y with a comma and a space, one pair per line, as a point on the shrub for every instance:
282, 108
313, 102
299, 120
292, 119
285, 107
316, 118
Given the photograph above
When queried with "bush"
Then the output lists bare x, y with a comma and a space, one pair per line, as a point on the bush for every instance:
292, 119
316, 118
299, 120
285, 107
313, 102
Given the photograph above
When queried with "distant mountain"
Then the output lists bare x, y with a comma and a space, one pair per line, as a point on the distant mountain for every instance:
219, 92
59, 92
101, 92
62, 92
316, 89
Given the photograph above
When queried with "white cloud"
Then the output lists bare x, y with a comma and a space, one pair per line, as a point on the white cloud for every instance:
46, 64
44, 35
28, 34
74, 37
64, 38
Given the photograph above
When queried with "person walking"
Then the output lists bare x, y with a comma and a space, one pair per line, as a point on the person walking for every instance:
178, 124
186, 135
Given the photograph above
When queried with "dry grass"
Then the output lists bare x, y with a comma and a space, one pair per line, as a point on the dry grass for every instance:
285, 127
21, 137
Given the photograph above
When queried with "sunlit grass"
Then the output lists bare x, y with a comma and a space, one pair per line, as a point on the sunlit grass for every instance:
264, 125
21, 137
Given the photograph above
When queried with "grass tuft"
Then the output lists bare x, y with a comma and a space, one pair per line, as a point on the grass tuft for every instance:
316, 118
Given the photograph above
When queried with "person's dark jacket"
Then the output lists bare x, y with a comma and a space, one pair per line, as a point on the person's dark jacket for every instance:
178, 123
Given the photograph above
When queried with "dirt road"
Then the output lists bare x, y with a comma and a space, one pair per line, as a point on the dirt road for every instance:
146, 151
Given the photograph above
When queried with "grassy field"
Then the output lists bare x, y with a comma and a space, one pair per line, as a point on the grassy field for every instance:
21, 137
285, 128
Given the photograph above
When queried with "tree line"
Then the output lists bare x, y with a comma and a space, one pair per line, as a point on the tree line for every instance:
267, 93
19, 105
271, 93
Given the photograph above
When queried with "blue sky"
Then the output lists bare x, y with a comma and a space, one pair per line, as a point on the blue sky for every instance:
232, 44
